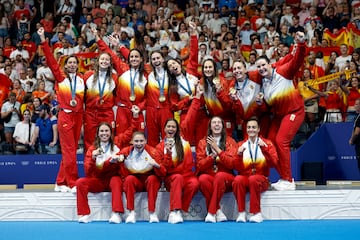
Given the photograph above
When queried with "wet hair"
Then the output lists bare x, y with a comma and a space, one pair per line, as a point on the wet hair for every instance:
222, 143
178, 142
108, 71
208, 81
141, 66
263, 57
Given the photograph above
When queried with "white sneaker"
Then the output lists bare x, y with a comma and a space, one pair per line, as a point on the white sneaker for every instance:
153, 218
131, 218
61, 188
115, 218
273, 185
179, 215
241, 217
285, 186
175, 217
256, 218
84, 219
210, 218
220, 216
73, 190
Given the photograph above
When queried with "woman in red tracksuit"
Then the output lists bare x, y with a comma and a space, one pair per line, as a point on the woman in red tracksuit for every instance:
102, 172
130, 89
141, 170
180, 179
214, 156
157, 99
255, 156
99, 100
70, 87
183, 84
216, 105
286, 104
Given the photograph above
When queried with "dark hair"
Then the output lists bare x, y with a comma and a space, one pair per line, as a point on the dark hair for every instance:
97, 139
222, 143
108, 71
141, 67
178, 142
263, 57
208, 81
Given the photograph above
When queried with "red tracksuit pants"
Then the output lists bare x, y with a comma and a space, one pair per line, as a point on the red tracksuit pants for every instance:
282, 131
92, 118
213, 188
124, 118
155, 123
133, 184
182, 191
95, 185
255, 185
69, 126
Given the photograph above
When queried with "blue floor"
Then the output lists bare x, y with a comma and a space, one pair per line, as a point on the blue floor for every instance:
269, 230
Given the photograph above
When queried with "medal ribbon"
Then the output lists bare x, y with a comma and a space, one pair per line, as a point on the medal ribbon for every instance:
132, 82
101, 87
188, 89
73, 89
253, 158
162, 85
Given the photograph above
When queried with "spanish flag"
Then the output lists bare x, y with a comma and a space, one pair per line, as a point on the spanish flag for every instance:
336, 39
354, 35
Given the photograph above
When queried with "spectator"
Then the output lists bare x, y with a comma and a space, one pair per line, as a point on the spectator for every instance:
23, 134
105, 5
262, 25
333, 101
310, 99
67, 9
20, 51
354, 139
41, 93
344, 57
330, 20
295, 27
18, 90
10, 113
215, 23
352, 94
36, 109
46, 131
44, 73
29, 46
98, 13
4, 25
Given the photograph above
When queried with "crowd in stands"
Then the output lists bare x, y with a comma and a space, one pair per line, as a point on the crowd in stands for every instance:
227, 31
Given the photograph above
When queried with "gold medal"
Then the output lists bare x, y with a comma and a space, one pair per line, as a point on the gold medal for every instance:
132, 97
73, 102
253, 170
162, 98
101, 101
216, 81
232, 91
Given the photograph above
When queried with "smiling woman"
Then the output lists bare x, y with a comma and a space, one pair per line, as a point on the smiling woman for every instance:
142, 171
214, 156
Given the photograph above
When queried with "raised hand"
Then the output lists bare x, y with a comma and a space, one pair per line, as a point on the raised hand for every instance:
41, 33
